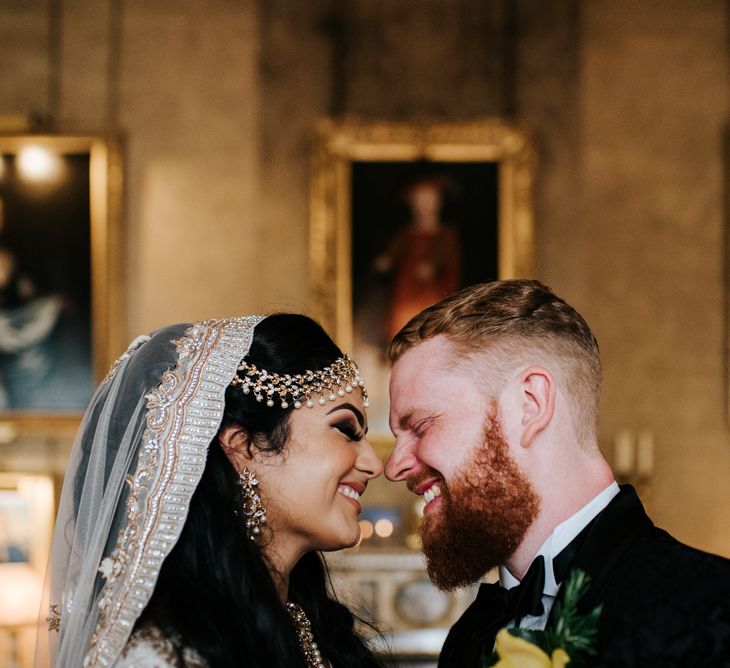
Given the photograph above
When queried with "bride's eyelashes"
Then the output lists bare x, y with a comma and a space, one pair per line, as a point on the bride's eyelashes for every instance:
350, 422
350, 429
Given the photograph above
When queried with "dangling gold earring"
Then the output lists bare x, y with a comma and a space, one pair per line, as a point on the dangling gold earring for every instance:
253, 510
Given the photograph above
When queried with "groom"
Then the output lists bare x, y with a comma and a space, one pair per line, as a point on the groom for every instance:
494, 404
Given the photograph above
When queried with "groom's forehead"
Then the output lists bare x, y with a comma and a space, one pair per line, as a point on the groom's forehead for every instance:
427, 358
439, 360
427, 373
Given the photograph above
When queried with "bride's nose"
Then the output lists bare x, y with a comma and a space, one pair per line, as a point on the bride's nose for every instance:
368, 461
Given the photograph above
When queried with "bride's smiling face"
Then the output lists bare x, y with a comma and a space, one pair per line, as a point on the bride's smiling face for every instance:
312, 489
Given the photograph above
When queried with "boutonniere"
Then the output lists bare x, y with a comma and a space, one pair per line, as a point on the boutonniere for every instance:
570, 637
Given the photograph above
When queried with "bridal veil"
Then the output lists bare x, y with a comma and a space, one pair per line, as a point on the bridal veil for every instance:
136, 461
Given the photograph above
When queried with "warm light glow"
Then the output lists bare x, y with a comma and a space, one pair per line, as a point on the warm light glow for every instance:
413, 541
37, 163
20, 594
384, 528
2, 166
366, 529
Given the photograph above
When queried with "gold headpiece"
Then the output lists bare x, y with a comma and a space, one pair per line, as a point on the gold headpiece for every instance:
336, 380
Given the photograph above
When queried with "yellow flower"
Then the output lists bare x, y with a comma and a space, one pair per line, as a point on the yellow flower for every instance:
515, 652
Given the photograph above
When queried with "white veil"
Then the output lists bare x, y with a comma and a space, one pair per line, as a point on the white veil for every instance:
136, 461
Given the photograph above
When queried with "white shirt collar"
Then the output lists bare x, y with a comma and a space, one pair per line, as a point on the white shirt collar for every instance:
561, 535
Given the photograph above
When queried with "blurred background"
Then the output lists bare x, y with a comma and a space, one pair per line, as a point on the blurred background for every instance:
215, 103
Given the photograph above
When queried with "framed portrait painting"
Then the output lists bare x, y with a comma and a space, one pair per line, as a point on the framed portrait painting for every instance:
403, 214
60, 310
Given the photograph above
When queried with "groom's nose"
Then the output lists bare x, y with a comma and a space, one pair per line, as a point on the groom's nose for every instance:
402, 463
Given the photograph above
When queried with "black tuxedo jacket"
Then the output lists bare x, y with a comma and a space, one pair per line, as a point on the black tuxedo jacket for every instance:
664, 603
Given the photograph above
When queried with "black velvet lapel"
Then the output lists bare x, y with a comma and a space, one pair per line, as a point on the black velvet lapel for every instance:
614, 530
468, 638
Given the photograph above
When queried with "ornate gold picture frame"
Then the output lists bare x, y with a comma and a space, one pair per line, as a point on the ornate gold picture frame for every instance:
60, 275
369, 182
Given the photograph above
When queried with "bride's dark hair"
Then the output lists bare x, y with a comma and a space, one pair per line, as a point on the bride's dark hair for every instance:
214, 593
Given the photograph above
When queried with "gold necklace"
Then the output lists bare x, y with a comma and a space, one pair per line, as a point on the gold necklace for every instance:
304, 636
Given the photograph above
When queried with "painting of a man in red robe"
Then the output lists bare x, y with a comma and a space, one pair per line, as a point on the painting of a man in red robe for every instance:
424, 256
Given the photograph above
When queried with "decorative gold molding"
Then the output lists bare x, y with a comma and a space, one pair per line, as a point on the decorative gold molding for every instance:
341, 142
107, 303
15, 123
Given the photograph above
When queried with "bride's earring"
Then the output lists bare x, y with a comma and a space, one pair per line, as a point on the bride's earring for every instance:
253, 510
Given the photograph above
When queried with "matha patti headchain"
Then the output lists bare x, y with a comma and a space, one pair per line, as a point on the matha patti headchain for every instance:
335, 380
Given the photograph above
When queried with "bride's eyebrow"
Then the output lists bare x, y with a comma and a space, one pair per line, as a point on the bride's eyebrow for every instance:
360, 417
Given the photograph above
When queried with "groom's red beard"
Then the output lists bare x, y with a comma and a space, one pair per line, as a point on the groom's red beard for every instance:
483, 516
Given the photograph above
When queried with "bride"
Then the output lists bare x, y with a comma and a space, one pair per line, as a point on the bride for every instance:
213, 464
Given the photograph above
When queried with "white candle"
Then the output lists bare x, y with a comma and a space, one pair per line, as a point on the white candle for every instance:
645, 454
623, 453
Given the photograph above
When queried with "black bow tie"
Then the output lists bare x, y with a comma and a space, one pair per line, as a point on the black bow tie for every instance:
526, 598
496, 606
500, 606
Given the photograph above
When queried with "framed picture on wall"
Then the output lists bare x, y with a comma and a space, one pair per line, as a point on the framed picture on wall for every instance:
403, 214
60, 310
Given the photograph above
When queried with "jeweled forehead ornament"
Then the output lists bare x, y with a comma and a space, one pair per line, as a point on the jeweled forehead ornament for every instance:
299, 389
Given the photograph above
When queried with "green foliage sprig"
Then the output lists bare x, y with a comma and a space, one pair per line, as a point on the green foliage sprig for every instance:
568, 629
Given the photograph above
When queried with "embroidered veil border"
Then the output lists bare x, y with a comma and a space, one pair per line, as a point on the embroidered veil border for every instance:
174, 423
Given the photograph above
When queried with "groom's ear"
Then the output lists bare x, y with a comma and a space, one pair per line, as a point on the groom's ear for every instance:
237, 445
537, 395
